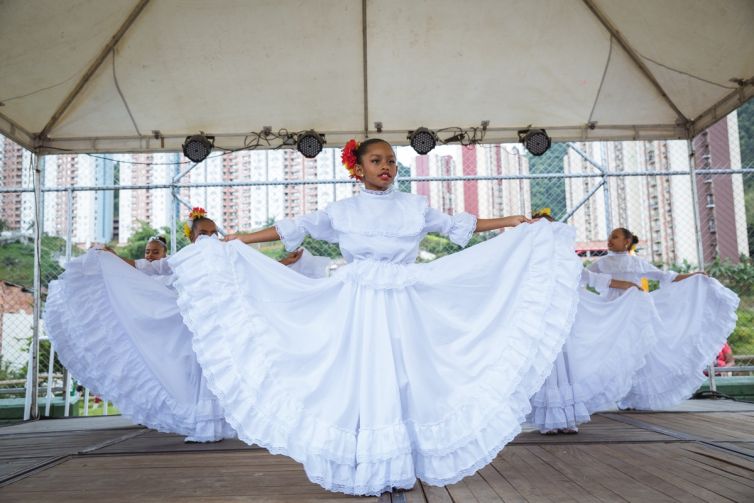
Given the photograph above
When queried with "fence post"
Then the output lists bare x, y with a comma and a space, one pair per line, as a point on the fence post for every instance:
69, 225
50, 369
698, 236
34, 360
173, 220
68, 254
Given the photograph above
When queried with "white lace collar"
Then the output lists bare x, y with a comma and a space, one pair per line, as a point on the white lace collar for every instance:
378, 193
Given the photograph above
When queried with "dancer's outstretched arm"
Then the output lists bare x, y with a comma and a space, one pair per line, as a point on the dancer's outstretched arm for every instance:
263, 236
623, 285
128, 261
489, 224
681, 277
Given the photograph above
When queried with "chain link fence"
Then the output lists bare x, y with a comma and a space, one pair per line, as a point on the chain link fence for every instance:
691, 203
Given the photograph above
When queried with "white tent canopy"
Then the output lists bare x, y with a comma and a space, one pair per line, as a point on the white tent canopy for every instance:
141, 75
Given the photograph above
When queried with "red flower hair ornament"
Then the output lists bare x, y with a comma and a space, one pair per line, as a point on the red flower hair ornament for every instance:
197, 213
349, 159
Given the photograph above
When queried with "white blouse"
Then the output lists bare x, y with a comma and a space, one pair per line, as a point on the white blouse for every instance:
622, 266
375, 225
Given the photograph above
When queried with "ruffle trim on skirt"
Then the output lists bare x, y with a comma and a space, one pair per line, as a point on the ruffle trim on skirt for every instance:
96, 349
659, 390
567, 406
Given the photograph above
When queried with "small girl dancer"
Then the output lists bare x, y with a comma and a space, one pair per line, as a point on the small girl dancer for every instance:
696, 316
594, 370
156, 249
388, 370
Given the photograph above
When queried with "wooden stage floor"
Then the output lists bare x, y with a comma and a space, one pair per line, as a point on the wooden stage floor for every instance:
701, 451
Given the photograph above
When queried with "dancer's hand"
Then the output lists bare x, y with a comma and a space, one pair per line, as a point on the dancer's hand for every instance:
515, 220
292, 258
233, 237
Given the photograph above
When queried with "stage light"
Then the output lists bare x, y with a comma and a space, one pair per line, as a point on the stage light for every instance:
422, 140
536, 141
198, 147
310, 144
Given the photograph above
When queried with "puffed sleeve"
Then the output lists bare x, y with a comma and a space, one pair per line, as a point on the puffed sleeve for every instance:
292, 231
598, 281
458, 227
154, 268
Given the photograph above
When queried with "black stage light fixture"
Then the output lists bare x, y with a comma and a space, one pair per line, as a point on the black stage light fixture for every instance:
198, 147
536, 141
310, 144
422, 140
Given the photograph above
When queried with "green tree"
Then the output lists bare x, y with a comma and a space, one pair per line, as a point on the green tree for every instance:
17, 261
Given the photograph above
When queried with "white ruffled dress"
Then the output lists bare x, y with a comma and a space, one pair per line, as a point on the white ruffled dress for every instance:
119, 332
606, 347
696, 316
388, 370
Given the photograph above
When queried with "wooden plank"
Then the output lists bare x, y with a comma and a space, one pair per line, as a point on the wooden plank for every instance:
55, 444
500, 485
481, 489
739, 470
650, 471
176, 475
600, 429
713, 426
741, 447
524, 482
460, 492
567, 460
414, 495
163, 442
628, 486
435, 494
11, 467
562, 488
695, 476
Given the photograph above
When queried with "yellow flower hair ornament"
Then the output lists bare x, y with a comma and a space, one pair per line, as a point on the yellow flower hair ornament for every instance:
545, 213
194, 214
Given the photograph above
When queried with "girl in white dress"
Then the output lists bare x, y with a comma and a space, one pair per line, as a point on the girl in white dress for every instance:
120, 334
696, 316
388, 370
594, 370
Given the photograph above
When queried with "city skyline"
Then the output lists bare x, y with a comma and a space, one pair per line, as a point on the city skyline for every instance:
657, 208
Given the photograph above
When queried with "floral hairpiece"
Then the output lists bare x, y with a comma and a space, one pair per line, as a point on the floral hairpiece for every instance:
349, 159
545, 213
197, 212
157, 239
194, 214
